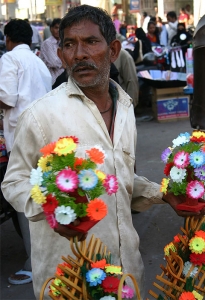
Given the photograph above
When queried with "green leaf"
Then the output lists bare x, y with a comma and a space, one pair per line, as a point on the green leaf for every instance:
189, 286
81, 192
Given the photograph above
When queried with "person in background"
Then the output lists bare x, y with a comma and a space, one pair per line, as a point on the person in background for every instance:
171, 26
163, 38
190, 15
146, 44
123, 29
47, 31
36, 38
114, 10
183, 17
151, 34
23, 79
157, 27
183, 38
145, 21
116, 22
49, 49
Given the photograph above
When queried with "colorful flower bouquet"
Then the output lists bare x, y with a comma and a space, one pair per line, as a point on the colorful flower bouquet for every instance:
185, 169
68, 187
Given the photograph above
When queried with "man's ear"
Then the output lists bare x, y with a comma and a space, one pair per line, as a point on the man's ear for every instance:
115, 47
60, 55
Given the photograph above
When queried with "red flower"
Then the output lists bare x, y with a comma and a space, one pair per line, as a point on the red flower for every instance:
195, 139
78, 162
168, 168
200, 233
110, 284
197, 259
50, 205
75, 139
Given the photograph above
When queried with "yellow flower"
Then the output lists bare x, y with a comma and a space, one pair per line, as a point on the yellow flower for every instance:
54, 291
113, 269
197, 295
37, 195
198, 134
197, 245
169, 247
45, 163
58, 282
100, 174
65, 146
164, 185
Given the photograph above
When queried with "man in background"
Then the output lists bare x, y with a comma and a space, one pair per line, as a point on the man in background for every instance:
171, 26
48, 52
36, 38
23, 79
47, 31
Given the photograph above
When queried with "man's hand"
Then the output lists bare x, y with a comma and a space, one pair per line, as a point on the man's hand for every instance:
173, 200
4, 106
68, 233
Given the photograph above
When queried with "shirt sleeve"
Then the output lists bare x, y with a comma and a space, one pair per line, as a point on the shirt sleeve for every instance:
145, 194
49, 56
9, 80
24, 156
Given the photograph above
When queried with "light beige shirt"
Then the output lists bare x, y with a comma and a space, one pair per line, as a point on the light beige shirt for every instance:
67, 111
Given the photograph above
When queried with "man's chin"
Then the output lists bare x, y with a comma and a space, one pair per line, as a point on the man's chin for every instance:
85, 83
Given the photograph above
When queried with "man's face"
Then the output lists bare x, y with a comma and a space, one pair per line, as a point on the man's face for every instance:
170, 19
55, 31
86, 54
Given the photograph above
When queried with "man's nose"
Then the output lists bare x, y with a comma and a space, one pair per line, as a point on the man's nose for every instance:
81, 52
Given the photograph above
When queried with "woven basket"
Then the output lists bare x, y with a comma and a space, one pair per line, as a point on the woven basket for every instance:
75, 284
171, 280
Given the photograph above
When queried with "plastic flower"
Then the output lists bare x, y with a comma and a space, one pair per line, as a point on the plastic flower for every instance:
177, 175
108, 298
96, 209
127, 292
200, 173
195, 189
45, 163
65, 146
97, 155
110, 284
48, 149
197, 245
197, 295
51, 220
111, 184
169, 247
99, 264
200, 233
196, 159
59, 282
54, 291
95, 276
186, 269
113, 269
197, 259
181, 159
37, 195
36, 176
78, 162
168, 168
50, 205
87, 179
67, 180
176, 239
186, 135
65, 215
198, 137
101, 175
59, 271
165, 154
180, 140
164, 185
187, 296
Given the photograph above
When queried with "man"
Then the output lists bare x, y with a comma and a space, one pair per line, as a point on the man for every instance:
36, 38
97, 111
47, 31
49, 51
23, 78
145, 21
116, 22
171, 26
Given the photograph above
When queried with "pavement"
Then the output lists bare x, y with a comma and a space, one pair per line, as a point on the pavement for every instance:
156, 226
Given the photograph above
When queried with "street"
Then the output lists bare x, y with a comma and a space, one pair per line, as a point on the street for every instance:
156, 227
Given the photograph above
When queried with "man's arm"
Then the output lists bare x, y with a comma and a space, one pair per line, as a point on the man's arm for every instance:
4, 106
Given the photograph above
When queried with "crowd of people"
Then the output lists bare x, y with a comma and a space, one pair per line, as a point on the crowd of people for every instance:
84, 52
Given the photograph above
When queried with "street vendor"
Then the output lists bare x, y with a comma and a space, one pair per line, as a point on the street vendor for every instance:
97, 111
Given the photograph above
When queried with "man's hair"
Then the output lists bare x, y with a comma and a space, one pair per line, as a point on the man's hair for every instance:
19, 31
55, 21
144, 14
172, 14
95, 15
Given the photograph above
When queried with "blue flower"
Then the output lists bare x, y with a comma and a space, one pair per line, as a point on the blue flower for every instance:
87, 179
95, 276
197, 159
186, 135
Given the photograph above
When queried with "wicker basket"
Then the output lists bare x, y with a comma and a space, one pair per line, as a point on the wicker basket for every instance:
171, 280
75, 284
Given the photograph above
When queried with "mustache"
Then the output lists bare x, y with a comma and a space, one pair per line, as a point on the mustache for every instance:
83, 64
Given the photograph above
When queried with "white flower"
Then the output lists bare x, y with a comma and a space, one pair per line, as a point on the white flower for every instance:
186, 269
177, 175
108, 298
179, 141
65, 215
36, 176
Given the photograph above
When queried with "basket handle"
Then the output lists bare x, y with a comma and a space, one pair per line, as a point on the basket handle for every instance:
122, 280
44, 287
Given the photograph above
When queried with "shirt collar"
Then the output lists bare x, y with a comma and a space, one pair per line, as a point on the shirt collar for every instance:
53, 40
21, 46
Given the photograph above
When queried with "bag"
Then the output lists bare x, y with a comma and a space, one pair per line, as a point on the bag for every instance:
140, 56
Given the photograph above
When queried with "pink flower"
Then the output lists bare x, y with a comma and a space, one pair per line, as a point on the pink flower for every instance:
181, 159
195, 189
51, 220
111, 184
67, 180
127, 292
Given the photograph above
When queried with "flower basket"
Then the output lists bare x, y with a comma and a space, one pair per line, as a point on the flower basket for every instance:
183, 277
68, 282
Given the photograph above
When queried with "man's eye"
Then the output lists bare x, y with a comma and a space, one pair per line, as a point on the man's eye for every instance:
68, 45
92, 42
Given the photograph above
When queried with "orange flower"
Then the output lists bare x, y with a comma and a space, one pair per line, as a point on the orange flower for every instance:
187, 296
96, 155
96, 209
176, 239
59, 271
78, 162
200, 233
99, 264
48, 149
